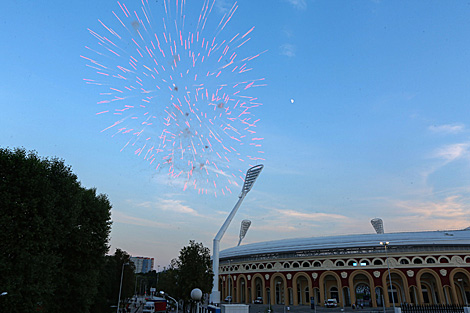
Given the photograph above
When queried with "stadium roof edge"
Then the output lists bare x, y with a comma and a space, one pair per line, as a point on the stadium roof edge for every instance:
422, 238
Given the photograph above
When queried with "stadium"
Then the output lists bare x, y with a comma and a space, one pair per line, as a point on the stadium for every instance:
427, 267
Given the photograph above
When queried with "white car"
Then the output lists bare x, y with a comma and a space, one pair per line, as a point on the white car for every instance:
331, 303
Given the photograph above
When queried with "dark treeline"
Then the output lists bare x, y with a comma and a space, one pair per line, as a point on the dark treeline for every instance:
54, 240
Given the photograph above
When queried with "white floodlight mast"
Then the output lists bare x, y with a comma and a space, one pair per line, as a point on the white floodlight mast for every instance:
251, 176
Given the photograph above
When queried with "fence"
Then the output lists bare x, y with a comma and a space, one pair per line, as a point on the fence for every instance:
432, 308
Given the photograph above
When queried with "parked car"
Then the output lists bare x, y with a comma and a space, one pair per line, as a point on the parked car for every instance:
228, 299
331, 303
258, 300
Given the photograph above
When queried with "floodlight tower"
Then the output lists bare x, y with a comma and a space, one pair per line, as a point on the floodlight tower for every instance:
243, 229
378, 225
251, 176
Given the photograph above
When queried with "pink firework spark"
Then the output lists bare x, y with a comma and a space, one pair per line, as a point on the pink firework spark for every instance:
180, 88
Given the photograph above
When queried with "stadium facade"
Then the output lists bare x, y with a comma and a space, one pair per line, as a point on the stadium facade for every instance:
429, 267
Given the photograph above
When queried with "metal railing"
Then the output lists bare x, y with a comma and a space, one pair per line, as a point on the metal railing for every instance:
432, 308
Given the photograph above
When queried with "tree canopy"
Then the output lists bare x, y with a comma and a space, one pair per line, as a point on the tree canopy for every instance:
192, 269
110, 280
54, 235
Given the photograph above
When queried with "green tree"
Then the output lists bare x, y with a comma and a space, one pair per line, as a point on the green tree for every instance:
54, 235
194, 270
168, 281
128, 274
110, 280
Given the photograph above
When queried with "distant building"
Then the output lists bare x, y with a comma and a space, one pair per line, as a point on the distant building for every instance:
143, 264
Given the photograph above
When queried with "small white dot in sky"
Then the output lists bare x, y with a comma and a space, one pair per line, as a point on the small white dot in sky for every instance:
291, 100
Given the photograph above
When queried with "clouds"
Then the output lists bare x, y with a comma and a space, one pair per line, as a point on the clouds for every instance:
169, 205
298, 4
447, 128
310, 216
296, 222
453, 152
287, 50
121, 217
447, 213
223, 6
447, 155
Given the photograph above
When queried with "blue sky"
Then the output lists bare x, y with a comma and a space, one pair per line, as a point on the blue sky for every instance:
365, 114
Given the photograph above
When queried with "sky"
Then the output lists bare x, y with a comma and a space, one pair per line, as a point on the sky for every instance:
365, 113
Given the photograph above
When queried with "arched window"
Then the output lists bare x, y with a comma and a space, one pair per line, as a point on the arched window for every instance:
305, 264
352, 263
417, 261
404, 261
339, 263
378, 262
316, 264
444, 259
286, 265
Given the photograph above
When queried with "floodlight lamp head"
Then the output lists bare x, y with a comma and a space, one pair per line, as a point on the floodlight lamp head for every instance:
251, 176
378, 225
244, 228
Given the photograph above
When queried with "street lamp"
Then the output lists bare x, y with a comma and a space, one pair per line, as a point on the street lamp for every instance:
4, 293
385, 244
120, 286
162, 293
158, 273
251, 176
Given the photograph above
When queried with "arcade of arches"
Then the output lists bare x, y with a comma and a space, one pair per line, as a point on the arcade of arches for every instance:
364, 287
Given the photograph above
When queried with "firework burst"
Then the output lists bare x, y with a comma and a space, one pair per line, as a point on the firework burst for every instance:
178, 89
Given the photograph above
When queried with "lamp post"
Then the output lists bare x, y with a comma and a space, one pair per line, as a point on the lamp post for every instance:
120, 286
251, 176
385, 244
158, 273
166, 295
196, 295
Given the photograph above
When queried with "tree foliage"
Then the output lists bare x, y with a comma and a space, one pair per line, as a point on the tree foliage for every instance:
192, 269
54, 235
110, 280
